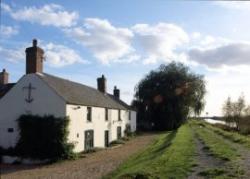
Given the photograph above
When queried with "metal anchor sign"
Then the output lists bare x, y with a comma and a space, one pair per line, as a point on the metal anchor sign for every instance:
29, 99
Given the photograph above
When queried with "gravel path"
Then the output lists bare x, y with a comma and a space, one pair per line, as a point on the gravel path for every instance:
94, 166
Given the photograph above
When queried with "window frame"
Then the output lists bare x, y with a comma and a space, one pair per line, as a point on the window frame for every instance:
10, 130
89, 114
106, 114
119, 115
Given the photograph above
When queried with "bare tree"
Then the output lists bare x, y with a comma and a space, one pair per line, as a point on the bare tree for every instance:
247, 110
228, 111
234, 111
238, 110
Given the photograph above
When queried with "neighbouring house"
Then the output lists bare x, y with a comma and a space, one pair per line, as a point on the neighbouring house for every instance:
96, 117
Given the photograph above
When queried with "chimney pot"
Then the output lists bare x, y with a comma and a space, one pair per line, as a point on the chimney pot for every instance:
4, 77
102, 84
34, 42
116, 92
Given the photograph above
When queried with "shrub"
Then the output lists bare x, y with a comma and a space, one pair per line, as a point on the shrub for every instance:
92, 150
44, 138
244, 125
116, 142
128, 132
9, 151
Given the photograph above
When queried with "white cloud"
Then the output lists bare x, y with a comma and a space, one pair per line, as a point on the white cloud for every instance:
106, 42
159, 42
238, 5
12, 55
196, 35
129, 59
8, 31
50, 14
222, 85
5, 7
56, 55
59, 55
230, 55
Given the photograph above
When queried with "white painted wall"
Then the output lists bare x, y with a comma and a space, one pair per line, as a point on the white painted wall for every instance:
13, 104
79, 124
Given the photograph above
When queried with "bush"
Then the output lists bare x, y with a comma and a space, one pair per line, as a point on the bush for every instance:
116, 142
92, 150
224, 127
244, 125
44, 138
10, 151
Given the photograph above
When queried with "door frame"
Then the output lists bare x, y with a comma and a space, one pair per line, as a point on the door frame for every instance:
88, 146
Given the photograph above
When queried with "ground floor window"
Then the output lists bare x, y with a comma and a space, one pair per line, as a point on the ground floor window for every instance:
89, 139
119, 132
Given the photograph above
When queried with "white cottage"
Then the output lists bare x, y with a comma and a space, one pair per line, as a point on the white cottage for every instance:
96, 117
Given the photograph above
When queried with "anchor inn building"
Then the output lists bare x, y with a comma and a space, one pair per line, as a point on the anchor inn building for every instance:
96, 117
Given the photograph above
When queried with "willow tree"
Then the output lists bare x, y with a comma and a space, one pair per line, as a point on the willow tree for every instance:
166, 96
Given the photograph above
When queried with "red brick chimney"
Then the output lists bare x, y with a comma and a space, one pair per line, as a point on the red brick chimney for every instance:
116, 92
34, 59
102, 84
4, 77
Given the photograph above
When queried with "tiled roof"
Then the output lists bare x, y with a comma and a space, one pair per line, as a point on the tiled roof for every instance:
79, 94
5, 88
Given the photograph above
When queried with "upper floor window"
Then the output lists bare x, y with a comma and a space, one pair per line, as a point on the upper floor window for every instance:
89, 114
129, 115
106, 114
10, 130
119, 115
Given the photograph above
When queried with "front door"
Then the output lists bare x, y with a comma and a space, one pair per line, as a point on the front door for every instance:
89, 139
106, 138
119, 132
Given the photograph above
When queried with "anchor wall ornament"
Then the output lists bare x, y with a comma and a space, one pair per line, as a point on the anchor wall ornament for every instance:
29, 99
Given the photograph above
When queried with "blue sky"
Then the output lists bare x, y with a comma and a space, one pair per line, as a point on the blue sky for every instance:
125, 40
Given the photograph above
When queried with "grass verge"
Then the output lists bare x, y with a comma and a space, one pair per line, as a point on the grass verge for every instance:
215, 144
221, 149
229, 135
232, 136
171, 156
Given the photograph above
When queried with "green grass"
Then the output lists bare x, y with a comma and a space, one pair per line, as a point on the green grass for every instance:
171, 156
220, 149
215, 144
232, 136
212, 173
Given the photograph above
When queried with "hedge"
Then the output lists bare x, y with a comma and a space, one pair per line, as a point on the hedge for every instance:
44, 137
